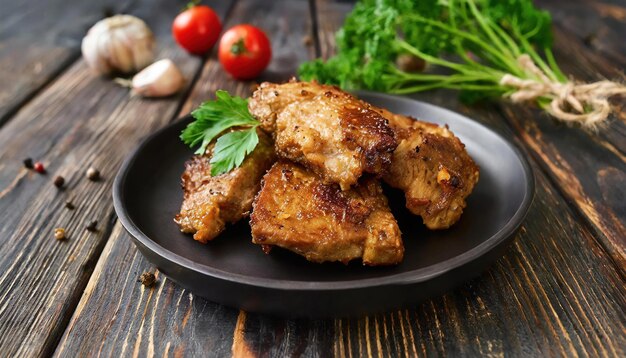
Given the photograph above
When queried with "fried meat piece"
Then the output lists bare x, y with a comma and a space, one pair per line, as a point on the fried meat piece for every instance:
325, 129
433, 168
295, 210
212, 202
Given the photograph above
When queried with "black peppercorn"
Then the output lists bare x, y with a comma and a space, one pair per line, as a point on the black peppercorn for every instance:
28, 163
92, 226
59, 181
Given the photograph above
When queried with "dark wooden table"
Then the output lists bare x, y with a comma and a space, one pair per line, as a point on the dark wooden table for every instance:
559, 290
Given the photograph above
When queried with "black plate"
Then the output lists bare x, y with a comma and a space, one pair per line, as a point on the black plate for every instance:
233, 271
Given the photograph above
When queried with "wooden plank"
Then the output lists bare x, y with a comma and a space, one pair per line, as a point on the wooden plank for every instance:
588, 167
78, 121
137, 316
163, 320
329, 15
599, 25
38, 39
555, 292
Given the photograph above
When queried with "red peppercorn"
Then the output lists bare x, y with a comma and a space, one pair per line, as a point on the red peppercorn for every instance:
39, 168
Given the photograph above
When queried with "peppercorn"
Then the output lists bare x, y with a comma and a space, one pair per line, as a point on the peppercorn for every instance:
28, 163
59, 233
92, 226
147, 279
69, 205
59, 181
93, 174
39, 168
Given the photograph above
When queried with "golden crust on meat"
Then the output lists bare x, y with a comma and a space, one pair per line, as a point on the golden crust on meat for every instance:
325, 129
433, 168
211, 202
295, 210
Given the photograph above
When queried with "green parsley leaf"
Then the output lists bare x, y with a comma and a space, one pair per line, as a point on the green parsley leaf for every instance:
214, 117
231, 149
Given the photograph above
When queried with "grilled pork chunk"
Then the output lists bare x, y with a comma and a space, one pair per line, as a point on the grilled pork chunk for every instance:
325, 129
295, 210
212, 202
433, 168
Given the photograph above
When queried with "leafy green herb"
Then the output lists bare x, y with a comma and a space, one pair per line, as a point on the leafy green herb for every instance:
483, 38
215, 117
231, 149
485, 48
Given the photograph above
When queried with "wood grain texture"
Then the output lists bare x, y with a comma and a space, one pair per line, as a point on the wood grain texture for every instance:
161, 321
554, 293
585, 165
119, 317
329, 16
599, 24
39, 39
78, 121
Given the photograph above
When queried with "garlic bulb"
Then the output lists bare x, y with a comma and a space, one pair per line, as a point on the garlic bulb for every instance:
160, 79
118, 44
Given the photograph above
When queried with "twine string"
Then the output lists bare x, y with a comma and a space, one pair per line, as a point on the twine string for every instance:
584, 103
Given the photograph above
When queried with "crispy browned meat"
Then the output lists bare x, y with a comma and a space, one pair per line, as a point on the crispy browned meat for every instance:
325, 129
295, 210
211, 202
433, 168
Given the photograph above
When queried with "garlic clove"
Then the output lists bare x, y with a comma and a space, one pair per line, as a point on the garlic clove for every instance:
160, 79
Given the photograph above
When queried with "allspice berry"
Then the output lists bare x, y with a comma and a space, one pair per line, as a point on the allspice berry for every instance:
93, 174
59, 233
147, 279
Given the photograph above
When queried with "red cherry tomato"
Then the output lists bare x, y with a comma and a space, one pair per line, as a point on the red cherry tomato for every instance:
197, 29
244, 51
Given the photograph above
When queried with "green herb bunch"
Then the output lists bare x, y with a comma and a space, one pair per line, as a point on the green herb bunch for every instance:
490, 48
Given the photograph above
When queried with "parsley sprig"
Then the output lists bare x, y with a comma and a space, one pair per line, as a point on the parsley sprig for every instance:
212, 118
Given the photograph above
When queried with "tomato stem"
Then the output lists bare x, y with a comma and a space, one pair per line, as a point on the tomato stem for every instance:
238, 47
192, 4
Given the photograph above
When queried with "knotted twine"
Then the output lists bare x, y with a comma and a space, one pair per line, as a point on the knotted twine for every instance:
573, 102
